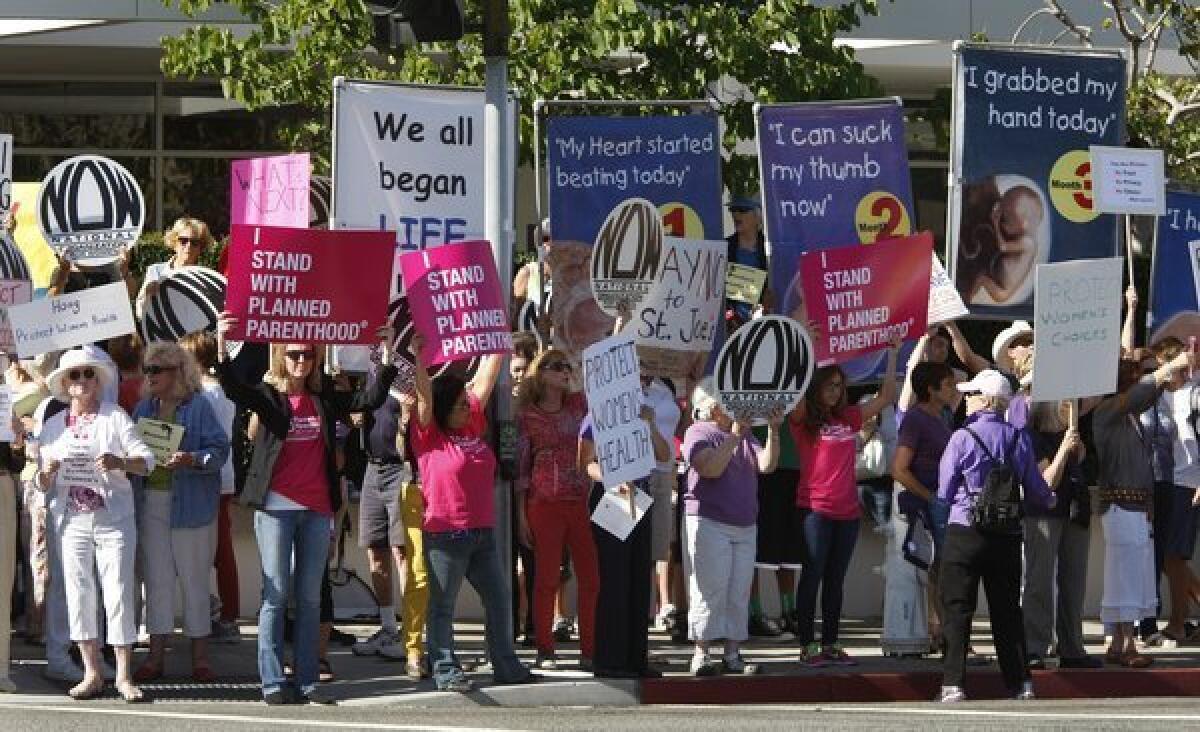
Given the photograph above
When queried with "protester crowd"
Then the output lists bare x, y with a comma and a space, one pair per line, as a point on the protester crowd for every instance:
971, 482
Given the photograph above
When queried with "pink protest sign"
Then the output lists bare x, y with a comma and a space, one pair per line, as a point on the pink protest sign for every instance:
270, 191
456, 302
859, 297
308, 285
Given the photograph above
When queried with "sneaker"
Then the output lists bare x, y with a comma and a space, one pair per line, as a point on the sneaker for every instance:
1026, 692
666, 618
837, 656
952, 695
702, 665
276, 698
735, 664
563, 628
318, 695
460, 684
225, 631
760, 626
812, 657
382, 643
1036, 663
547, 661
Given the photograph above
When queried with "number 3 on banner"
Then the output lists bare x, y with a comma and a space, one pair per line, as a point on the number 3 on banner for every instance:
680, 220
879, 216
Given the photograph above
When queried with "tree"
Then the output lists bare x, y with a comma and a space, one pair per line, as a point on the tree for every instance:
776, 50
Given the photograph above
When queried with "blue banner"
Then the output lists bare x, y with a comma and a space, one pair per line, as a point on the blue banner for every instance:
594, 163
1174, 309
1025, 119
833, 174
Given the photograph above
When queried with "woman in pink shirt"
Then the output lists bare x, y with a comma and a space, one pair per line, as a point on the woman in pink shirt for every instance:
552, 496
458, 474
824, 430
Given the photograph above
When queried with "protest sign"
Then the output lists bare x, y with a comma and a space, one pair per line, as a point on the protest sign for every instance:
676, 323
6, 179
764, 367
163, 438
1077, 320
272, 191
613, 384
12, 292
456, 301
945, 303
834, 174
89, 209
189, 299
66, 321
308, 285
745, 284
626, 255
1128, 180
1174, 309
612, 512
1021, 174
862, 297
6, 414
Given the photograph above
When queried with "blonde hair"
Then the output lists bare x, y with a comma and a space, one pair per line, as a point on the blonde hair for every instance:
530, 391
187, 378
277, 375
198, 227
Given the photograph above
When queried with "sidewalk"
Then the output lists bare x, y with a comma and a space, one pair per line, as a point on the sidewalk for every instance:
375, 681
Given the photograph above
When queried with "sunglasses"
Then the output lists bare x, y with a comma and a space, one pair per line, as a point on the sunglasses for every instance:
298, 355
560, 366
155, 369
189, 240
740, 210
81, 374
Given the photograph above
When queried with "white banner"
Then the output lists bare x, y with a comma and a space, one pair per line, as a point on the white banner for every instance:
1077, 328
613, 383
66, 321
945, 303
1128, 180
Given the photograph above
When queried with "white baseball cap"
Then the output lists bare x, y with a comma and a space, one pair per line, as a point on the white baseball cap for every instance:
990, 383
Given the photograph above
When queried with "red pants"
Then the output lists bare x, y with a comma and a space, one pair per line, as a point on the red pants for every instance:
226, 564
552, 524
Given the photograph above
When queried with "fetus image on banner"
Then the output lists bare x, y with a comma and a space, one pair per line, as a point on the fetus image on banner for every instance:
1005, 231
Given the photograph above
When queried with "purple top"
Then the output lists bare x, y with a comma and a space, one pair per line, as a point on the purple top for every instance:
732, 498
926, 435
964, 465
1018, 412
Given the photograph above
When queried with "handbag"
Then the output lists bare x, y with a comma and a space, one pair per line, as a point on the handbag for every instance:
918, 542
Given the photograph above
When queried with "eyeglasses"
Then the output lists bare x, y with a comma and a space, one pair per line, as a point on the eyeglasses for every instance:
972, 393
560, 366
81, 374
298, 355
155, 369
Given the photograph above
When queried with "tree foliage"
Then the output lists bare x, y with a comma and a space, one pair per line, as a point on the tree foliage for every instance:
777, 50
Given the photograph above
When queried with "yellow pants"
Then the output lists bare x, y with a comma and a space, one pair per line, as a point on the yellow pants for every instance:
416, 576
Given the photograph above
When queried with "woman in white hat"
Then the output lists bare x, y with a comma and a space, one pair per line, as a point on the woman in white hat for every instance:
87, 452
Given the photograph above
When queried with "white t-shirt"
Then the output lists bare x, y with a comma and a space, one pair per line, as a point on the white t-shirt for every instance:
1186, 448
661, 399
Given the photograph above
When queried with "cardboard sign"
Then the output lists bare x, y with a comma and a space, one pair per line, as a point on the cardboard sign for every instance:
945, 304
308, 285
456, 301
613, 383
745, 284
764, 366
90, 208
627, 255
12, 292
66, 321
187, 301
1077, 329
1128, 180
270, 191
163, 438
861, 297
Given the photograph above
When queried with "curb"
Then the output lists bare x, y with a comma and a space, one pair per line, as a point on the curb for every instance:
606, 693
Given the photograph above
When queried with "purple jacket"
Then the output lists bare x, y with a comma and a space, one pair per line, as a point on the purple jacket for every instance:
964, 465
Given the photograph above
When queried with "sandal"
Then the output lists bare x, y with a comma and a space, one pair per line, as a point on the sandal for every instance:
1135, 660
147, 672
84, 691
324, 671
130, 693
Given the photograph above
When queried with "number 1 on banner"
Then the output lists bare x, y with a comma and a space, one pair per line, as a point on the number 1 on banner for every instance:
681, 220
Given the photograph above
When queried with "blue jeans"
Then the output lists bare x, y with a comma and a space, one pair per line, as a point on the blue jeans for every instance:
830, 545
450, 556
294, 548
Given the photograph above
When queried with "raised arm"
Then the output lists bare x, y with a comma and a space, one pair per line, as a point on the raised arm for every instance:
376, 392
1129, 327
907, 396
422, 384
887, 391
238, 391
485, 379
973, 361
768, 457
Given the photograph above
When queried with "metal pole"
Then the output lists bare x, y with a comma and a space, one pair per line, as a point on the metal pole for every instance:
498, 229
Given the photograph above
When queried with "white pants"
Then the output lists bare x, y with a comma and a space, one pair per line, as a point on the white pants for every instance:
1129, 592
167, 554
8, 563
719, 577
905, 599
91, 543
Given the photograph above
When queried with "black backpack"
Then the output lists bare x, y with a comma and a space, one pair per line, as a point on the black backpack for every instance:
998, 508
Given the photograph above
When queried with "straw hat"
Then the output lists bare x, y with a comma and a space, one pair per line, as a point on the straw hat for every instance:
76, 358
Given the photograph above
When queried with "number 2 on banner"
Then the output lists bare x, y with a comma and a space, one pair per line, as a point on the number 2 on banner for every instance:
880, 216
681, 220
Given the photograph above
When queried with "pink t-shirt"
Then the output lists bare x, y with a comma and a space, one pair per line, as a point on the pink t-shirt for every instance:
827, 484
458, 473
300, 468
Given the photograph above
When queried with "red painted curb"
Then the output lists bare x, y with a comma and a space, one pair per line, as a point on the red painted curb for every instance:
915, 686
